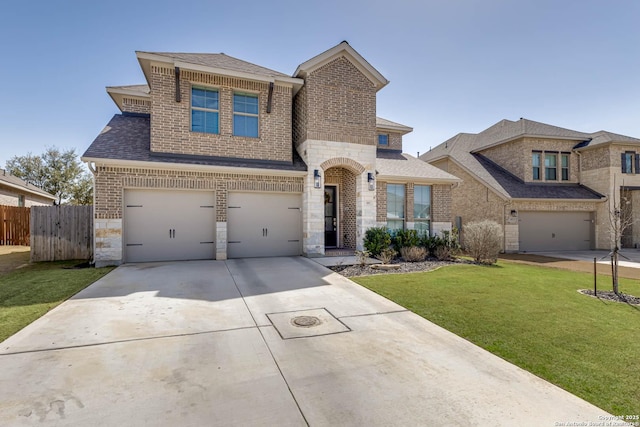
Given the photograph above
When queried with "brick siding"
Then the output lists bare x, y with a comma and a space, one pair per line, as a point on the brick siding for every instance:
338, 103
171, 120
134, 105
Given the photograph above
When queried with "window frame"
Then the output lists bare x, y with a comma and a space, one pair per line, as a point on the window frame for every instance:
206, 110
631, 156
554, 168
534, 168
565, 176
403, 205
255, 115
21, 200
416, 218
385, 135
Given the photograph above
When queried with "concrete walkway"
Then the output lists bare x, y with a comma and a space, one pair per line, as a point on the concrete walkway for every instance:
280, 341
628, 257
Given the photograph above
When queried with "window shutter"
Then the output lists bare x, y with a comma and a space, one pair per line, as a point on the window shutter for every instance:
637, 163
624, 163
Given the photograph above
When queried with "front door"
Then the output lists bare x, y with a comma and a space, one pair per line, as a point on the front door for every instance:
330, 218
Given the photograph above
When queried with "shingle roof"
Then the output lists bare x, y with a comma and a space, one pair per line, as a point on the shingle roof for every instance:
388, 124
19, 184
462, 147
518, 189
127, 137
221, 60
400, 165
603, 137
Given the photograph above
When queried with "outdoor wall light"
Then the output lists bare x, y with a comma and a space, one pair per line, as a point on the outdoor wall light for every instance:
316, 178
514, 212
371, 180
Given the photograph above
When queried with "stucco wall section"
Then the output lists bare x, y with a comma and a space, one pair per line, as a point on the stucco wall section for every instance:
171, 120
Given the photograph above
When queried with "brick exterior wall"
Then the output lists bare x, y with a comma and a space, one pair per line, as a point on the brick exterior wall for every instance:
338, 103
171, 120
110, 183
596, 159
395, 140
515, 156
346, 184
440, 203
381, 202
134, 105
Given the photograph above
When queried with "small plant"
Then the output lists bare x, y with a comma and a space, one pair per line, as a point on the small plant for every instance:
376, 240
362, 257
447, 246
405, 238
483, 241
387, 255
413, 253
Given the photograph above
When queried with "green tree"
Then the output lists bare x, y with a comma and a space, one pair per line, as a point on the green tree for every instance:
55, 171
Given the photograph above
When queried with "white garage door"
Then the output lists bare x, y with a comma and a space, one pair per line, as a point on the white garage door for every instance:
264, 224
169, 225
555, 231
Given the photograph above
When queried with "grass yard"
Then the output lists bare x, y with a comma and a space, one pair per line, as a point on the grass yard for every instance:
30, 291
533, 317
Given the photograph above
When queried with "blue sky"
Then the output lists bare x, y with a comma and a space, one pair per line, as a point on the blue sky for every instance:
454, 66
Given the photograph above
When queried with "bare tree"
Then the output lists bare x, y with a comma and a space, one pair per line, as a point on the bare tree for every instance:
620, 220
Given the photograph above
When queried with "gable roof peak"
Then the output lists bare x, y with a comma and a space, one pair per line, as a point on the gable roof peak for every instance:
342, 49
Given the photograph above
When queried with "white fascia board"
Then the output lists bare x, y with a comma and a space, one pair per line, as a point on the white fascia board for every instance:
28, 190
189, 167
600, 200
400, 129
127, 92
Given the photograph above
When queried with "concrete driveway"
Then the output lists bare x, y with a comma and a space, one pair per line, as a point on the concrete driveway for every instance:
279, 341
628, 257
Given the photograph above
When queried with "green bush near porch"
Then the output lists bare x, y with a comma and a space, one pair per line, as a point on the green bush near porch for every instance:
535, 318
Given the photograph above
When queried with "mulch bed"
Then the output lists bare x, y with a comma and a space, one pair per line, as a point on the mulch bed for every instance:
611, 296
405, 267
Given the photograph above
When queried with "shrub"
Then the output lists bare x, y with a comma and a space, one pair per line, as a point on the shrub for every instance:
405, 238
483, 240
447, 246
413, 253
362, 257
387, 255
376, 240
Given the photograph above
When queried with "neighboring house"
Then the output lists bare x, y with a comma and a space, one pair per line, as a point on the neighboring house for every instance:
16, 192
216, 157
549, 187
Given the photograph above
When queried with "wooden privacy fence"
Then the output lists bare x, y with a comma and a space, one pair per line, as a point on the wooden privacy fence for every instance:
14, 225
61, 233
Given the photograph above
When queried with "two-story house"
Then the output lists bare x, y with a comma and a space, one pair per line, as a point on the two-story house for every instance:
215, 157
550, 188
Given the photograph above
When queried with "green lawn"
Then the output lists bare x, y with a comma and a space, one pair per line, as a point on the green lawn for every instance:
533, 317
31, 291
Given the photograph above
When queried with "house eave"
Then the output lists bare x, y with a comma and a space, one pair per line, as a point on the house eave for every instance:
533, 199
191, 167
422, 180
504, 141
28, 190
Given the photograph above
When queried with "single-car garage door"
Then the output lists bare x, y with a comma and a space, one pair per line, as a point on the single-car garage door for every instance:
164, 225
555, 231
264, 224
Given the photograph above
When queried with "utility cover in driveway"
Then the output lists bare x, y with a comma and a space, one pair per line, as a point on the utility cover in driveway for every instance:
162, 225
264, 225
306, 323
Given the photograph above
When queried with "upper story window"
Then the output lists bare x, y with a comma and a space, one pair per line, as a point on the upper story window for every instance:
564, 164
205, 107
395, 206
383, 139
629, 160
550, 167
422, 208
245, 115
21, 200
536, 165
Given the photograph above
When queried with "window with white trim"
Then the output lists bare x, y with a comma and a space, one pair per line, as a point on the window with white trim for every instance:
395, 206
245, 114
205, 114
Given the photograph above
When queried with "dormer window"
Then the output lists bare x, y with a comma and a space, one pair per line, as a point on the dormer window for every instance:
205, 107
383, 139
245, 115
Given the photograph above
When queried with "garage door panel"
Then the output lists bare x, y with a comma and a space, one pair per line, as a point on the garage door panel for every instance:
264, 224
169, 225
555, 231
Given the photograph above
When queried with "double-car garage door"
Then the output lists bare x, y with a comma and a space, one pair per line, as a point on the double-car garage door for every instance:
163, 225
555, 231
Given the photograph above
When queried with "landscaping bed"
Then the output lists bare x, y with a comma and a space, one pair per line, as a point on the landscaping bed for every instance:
403, 267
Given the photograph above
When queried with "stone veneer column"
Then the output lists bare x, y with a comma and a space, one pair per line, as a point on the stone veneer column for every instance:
221, 240
107, 242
